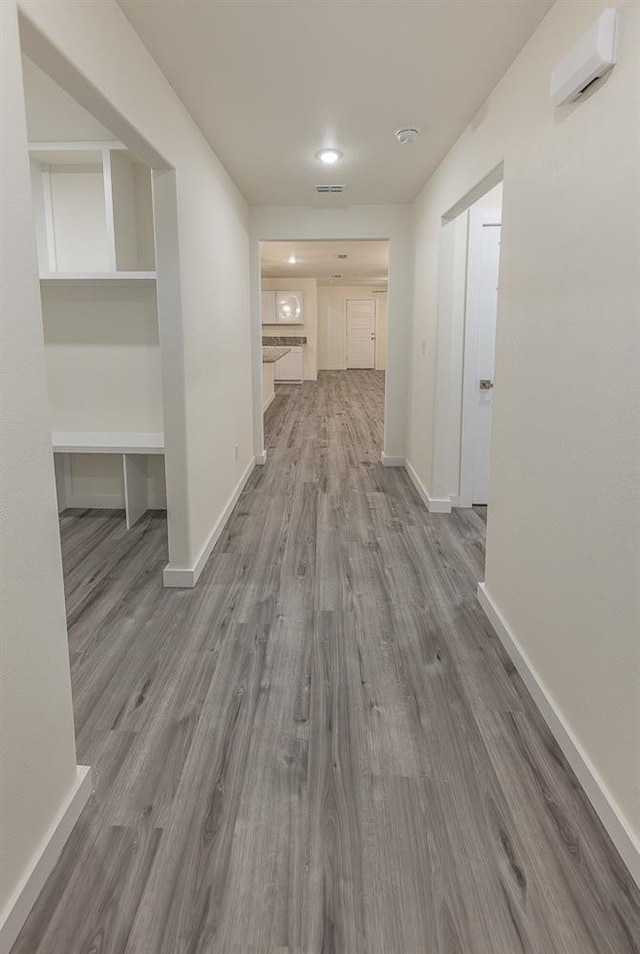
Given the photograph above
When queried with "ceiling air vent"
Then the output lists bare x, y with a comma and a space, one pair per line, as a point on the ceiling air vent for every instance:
330, 189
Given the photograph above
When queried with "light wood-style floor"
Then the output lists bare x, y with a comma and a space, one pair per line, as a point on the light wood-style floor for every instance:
323, 748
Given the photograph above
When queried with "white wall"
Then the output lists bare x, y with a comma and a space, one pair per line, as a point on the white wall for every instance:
206, 372
390, 222
37, 750
78, 212
309, 327
203, 283
564, 518
102, 357
52, 115
332, 326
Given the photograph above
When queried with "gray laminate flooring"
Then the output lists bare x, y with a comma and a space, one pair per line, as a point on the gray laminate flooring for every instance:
323, 748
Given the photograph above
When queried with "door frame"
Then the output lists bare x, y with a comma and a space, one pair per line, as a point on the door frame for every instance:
346, 332
485, 218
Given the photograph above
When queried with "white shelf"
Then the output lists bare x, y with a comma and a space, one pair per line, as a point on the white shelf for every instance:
76, 152
103, 442
93, 212
96, 277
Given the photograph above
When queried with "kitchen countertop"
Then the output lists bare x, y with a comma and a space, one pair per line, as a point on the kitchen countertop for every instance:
270, 355
291, 341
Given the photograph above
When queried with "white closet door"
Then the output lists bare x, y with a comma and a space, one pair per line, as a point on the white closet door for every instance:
361, 333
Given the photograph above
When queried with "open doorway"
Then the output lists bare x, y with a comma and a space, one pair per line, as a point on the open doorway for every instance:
324, 321
361, 350
483, 269
468, 280
94, 226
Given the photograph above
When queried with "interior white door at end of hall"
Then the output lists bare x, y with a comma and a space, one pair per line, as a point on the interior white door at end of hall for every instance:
361, 333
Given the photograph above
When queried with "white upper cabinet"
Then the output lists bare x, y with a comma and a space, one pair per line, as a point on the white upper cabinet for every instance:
93, 211
282, 307
268, 308
289, 307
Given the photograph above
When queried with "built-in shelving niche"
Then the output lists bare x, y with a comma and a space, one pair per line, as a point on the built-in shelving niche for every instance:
94, 228
93, 211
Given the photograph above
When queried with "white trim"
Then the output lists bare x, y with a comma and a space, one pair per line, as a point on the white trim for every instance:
433, 504
107, 442
269, 402
79, 501
108, 210
157, 502
389, 461
596, 790
44, 859
261, 459
62, 469
188, 575
96, 278
49, 224
79, 146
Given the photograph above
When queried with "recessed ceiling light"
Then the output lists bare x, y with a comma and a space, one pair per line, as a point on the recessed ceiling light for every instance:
329, 156
293, 260
406, 136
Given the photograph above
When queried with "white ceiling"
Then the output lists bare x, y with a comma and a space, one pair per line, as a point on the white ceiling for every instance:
270, 82
366, 262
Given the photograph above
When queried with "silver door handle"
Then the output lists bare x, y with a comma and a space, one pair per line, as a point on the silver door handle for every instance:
485, 384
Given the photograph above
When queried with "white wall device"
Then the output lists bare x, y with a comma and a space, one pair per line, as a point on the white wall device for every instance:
591, 57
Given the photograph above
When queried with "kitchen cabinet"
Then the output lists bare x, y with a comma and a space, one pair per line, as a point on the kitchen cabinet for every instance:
282, 307
289, 307
289, 367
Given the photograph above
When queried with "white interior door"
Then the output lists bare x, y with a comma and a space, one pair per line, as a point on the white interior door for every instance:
480, 336
361, 333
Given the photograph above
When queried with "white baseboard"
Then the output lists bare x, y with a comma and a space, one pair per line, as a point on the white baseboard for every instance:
261, 459
597, 792
80, 501
75, 501
187, 576
433, 504
44, 859
389, 461
269, 402
157, 502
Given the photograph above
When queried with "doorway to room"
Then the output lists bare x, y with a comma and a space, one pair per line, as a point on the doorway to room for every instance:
324, 313
361, 333
483, 267
468, 297
96, 221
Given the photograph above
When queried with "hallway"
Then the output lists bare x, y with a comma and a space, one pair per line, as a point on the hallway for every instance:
323, 747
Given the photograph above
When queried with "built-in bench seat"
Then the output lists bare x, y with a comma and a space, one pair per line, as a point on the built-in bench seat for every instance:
133, 447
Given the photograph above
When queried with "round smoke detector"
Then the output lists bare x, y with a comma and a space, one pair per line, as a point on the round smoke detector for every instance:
407, 136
